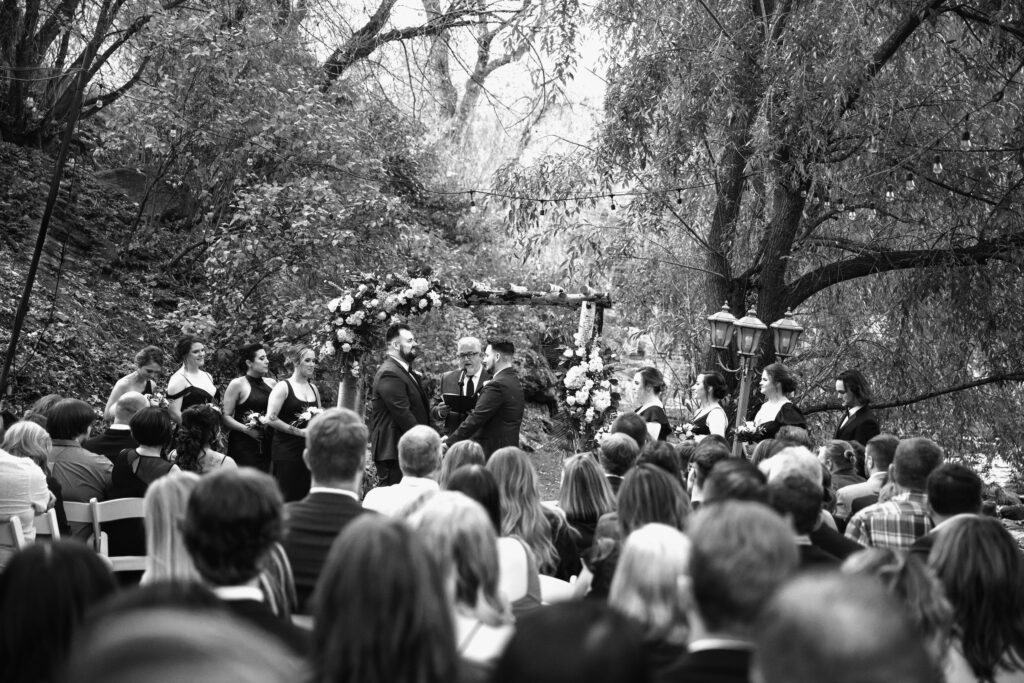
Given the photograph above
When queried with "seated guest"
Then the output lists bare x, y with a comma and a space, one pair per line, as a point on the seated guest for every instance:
40, 410
164, 508
841, 629
735, 479
419, 458
82, 474
23, 490
953, 490
46, 591
584, 496
380, 612
575, 642
646, 589
839, 458
632, 425
461, 453
118, 436
878, 455
462, 542
619, 452
335, 450
195, 438
234, 517
798, 500
665, 456
794, 435
543, 529
740, 553
708, 452
902, 520
979, 565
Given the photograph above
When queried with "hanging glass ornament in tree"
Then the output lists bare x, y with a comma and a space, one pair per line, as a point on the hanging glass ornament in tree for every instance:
937, 166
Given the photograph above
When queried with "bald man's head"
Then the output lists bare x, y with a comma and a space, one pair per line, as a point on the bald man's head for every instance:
127, 405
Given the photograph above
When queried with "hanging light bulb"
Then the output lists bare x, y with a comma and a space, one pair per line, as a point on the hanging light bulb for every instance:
841, 205
873, 145
828, 203
472, 203
542, 209
872, 212
937, 166
965, 141
817, 199
909, 183
679, 196
851, 214
890, 194
803, 194
612, 198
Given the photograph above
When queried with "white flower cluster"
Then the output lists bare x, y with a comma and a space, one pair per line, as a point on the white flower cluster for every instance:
586, 394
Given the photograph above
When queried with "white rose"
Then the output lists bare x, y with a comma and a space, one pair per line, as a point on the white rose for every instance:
328, 348
382, 316
419, 285
346, 304
570, 400
362, 289
352, 321
332, 305
374, 303
582, 396
606, 384
581, 353
590, 415
423, 303
346, 347
568, 353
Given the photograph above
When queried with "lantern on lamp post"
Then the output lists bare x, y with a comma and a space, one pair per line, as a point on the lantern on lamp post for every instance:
785, 334
721, 327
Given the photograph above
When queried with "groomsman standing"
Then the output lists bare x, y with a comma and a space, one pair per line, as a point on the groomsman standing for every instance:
859, 423
468, 380
495, 421
397, 403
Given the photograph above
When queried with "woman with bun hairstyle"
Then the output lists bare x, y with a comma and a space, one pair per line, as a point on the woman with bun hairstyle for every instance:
148, 366
190, 385
193, 442
649, 383
288, 402
249, 445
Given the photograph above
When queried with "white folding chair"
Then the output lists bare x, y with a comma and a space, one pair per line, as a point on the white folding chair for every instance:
113, 511
81, 513
46, 525
11, 533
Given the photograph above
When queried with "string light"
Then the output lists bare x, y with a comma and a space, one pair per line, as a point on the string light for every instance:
851, 214
542, 210
910, 184
873, 145
679, 197
965, 139
937, 166
612, 198
840, 205
890, 194
828, 203
472, 203
872, 212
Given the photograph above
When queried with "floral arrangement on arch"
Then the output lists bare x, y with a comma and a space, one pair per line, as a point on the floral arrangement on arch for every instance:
588, 390
358, 318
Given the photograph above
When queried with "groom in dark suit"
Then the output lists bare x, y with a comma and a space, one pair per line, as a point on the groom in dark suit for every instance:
495, 421
859, 423
398, 402
468, 380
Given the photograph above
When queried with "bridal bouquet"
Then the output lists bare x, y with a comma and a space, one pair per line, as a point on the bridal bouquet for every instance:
254, 419
305, 416
156, 400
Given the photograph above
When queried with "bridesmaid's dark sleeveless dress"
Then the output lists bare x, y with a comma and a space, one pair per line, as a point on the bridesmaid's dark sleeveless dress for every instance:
286, 452
247, 451
192, 395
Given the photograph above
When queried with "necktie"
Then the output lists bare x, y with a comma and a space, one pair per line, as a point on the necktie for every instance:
469, 386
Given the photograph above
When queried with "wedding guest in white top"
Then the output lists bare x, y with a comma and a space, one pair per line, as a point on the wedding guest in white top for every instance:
419, 457
23, 494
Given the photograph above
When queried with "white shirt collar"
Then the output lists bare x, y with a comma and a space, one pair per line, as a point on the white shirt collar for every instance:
419, 482
119, 428
476, 377
853, 411
655, 401
230, 593
328, 489
719, 644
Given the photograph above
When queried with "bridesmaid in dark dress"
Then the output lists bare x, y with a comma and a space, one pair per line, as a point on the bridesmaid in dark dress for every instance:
288, 400
148, 364
249, 393
190, 385
649, 384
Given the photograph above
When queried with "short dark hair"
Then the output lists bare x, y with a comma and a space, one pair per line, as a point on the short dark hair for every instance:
664, 455
799, 497
855, 382
149, 354
69, 418
394, 331
781, 375
735, 479
247, 354
652, 378
915, 459
503, 346
649, 494
151, 427
794, 435
707, 453
477, 482
336, 445
632, 425
583, 641
882, 450
233, 518
954, 489
184, 345
619, 452
714, 384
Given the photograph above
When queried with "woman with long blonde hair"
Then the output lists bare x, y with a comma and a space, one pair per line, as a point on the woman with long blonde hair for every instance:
544, 530
163, 508
584, 496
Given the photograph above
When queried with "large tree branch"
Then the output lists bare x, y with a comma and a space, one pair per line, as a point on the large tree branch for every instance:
998, 378
824, 277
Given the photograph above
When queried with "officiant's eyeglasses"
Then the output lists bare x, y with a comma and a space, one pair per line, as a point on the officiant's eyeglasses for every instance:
467, 356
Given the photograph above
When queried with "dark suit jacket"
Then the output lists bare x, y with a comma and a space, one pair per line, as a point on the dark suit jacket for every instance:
311, 525
834, 543
111, 442
922, 547
397, 404
259, 615
860, 428
495, 421
709, 666
451, 383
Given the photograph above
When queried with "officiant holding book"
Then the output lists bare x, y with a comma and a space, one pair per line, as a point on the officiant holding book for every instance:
460, 388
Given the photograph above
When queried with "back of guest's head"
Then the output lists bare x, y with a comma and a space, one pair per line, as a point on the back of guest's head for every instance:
233, 518
164, 511
152, 427
179, 644
585, 493
127, 404
685, 453
632, 425
838, 455
914, 587
460, 537
763, 450
735, 479
794, 436
704, 458
46, 590
793, 460
855, 382
954, 489
461, 453
798, 497
740, 553
664, 455
336, 446
915, 459
42, 407
859, 465
521, 511
476, 482
184, 345
148, 355
582, 641
28, 440
69, 418
619, 452
842, 629
200, 426
652, 379
247, 354
380, 609
419, 451
646, 582
648, 495
881, 449
980, 566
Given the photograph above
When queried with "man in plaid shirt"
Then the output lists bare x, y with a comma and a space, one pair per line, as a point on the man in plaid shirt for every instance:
901, 520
